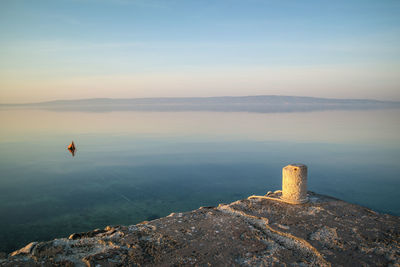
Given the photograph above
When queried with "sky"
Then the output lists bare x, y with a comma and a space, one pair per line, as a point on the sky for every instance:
70, 49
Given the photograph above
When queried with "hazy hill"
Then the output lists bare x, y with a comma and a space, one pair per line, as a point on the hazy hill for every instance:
265, 103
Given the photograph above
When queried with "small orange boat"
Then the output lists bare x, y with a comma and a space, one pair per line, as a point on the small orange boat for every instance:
72, 148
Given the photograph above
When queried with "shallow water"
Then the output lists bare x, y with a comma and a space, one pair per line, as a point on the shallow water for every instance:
135, 166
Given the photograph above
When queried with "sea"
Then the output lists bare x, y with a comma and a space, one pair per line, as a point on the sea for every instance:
132, 166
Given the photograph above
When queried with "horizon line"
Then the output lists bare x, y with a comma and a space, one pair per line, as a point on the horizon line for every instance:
188, 97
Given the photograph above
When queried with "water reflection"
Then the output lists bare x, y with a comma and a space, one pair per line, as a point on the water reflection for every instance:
378, 127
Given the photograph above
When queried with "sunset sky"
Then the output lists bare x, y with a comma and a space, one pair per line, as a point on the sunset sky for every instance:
148, 48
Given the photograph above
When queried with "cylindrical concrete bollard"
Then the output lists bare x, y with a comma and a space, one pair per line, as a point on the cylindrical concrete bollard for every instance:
294, 183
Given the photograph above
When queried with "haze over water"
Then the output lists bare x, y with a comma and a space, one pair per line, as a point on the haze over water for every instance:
98, 72
133, 166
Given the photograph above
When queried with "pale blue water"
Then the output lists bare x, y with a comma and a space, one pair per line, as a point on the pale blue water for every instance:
133, 166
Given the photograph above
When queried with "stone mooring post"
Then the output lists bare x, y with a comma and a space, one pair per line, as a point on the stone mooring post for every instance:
294, 183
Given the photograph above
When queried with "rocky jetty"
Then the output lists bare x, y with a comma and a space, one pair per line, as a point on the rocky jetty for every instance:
250, 232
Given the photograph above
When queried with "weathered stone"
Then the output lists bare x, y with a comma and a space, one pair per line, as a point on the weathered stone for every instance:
74, 236
251, 232
294, 183
25, 250
87, 234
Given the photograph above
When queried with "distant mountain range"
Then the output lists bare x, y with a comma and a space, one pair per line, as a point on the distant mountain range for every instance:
262, 104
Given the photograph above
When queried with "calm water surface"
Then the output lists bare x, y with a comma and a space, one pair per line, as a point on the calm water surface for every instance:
135, 166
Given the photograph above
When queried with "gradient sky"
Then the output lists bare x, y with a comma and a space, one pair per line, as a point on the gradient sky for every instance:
59, 49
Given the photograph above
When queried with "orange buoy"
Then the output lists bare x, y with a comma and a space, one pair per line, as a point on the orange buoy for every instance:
72, 148
72, 145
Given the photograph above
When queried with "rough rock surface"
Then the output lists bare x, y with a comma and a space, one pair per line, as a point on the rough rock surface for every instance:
250, 232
